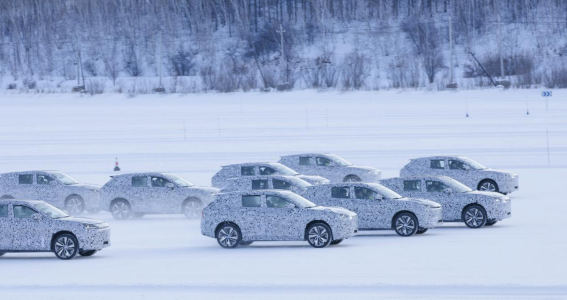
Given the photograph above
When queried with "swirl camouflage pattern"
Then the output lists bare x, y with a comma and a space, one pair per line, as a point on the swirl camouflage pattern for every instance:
53, 187
464, 170
269, 182
133, 195
35, 226
378, 207
457, 200
239, 218
220, 179
330, 166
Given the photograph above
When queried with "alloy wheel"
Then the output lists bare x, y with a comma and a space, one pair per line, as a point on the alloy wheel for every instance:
488, 187
405, 225
192, 209
474, 217
74, 206
65, 247
318, 236
228, 237
120, 210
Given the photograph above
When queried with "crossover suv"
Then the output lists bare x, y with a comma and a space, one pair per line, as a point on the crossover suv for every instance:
464, 170
53, 187
240, 218
36, 226
271, 182
377, 207
330, 166
138, 194
459, 202
220, 179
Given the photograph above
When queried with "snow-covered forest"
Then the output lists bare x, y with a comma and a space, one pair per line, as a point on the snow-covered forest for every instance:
184, 46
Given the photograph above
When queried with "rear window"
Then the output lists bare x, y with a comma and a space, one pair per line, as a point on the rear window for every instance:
412, 185
267, 171
259, 184
247, 171
281, 185
437, 164
251, 201
305, 161
25, 179
340, 192
140, 181
3, 211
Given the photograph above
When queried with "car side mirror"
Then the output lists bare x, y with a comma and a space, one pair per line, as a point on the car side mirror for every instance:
36, 217
448, 191
170, 185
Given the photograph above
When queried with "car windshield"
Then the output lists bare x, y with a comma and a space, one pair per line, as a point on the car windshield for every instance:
473, 164
283, 170
299, 182
300, 201
51, 211
178, 180
456, 186
339, 160
65, 179
386, 192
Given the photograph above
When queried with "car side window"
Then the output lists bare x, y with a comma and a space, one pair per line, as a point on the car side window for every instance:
23, 212
365, 193
267, 171
3, 211
140, 181
25, 179
44, 179
342, 192
260, 184
437, 164
247, 171
251, 201
412, 185
305, 161
323, 162
159, 182
434, 186
457, 165
276, 202
281, 185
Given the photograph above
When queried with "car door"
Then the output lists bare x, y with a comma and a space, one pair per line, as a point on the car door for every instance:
457, 169
437, 166
139, 189
305, 165
252, 221
280, 214
164, 198
367, 205
341, 196
29, 234
45, 187
435, 190
6, 230
26, 187
413, 188
328, 169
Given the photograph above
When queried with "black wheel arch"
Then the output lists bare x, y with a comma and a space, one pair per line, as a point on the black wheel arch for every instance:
485, 180
351, 175
119, 199
191, 198
226, 223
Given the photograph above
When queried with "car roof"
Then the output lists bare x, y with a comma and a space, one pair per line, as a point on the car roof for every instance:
254, 177
366, 184
21, 201
32, 171
141, 174
308, 154
260, 192
252, 164
441, 177
438, 157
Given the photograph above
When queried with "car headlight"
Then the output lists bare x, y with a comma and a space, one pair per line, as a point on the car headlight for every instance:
91, 227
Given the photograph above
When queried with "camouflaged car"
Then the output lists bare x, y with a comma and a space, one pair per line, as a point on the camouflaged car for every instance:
464, 170
270, 182
330, 166
459, 202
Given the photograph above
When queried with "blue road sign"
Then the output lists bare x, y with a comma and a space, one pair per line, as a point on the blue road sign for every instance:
546, 94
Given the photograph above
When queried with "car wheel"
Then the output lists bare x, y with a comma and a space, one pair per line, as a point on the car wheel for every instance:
336, 242
319, 235
474, 216
228, 236
138, 215
246, 243
87, 253
120, 209
74, 205
490, 222
192, 209
66, 246
421, 230
405, 224
352, 178
488, 185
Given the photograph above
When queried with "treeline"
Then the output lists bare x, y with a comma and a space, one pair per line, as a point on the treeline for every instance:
237, 44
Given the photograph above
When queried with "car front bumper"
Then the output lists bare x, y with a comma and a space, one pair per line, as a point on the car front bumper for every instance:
347, 228
433, 218
96, 239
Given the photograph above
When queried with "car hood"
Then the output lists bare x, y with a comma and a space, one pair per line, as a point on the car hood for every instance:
211, 190
421, 201
508, 173
363, 168
313, 179
87, 186
486, 194
82, 220
335, 210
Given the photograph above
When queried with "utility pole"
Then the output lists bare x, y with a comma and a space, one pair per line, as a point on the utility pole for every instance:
159, 59
500, 42
284, 62
451, 44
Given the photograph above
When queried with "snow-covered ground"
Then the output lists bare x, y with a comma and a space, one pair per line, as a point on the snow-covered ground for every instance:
165, 257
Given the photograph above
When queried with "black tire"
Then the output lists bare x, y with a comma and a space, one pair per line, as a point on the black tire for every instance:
246, 243
422, 230
137, 215
75, 205
336, 242
6, 197
488, 185
352, 178
192, 208
490, 222
120, 209
65, 246
87, 253
405, 224
474, 216
228, 235
319, 235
